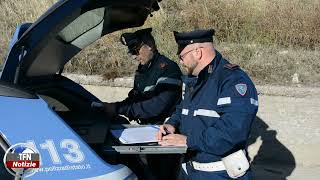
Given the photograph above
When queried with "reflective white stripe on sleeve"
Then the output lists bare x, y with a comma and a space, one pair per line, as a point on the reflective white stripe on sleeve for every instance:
205, 112
254, 102
183, 90
185, 111
223, 101
169, 81
163, 80
149, 88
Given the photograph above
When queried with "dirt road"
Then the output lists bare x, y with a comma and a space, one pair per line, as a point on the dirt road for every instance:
285, 139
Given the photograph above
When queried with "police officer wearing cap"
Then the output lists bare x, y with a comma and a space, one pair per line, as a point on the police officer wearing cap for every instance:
156, 91
157, 82
214, 118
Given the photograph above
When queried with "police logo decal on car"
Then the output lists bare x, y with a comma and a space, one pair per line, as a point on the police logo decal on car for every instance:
242, 89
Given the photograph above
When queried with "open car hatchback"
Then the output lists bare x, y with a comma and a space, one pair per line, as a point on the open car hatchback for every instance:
51, 113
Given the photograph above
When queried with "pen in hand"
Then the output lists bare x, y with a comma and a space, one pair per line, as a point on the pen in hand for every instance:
165, 129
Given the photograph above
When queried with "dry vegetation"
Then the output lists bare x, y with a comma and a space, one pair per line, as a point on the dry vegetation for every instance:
13, 13
270, 39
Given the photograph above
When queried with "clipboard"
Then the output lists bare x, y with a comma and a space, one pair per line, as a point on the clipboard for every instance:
141, 148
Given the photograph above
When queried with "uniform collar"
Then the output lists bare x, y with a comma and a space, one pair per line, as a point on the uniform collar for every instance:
210, 68
147, 66
189, 80
204, 74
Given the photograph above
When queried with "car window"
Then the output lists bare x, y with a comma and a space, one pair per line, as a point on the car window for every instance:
83, 24
85, 29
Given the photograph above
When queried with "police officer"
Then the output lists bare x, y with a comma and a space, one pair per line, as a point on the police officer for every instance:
156, 91
157, 82
214, 118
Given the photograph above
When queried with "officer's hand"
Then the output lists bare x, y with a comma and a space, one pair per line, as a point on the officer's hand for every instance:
174, 140
110, 109
165, 130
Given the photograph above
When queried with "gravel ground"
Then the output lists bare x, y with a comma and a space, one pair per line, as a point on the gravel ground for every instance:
285, 138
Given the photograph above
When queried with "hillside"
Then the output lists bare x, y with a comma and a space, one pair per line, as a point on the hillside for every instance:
276, 42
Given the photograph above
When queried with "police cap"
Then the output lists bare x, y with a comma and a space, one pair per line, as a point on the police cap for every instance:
197, 36
135, 39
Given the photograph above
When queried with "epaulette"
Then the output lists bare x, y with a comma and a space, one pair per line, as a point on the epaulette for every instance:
231, 66
163, 66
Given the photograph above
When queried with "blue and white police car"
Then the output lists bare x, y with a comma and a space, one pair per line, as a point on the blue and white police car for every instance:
51, 113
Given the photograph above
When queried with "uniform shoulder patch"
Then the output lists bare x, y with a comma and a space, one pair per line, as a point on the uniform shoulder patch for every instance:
242, 89
163, 66
231, 66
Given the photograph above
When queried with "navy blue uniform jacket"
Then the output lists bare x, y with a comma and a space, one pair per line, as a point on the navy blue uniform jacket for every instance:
156, 91
216, 112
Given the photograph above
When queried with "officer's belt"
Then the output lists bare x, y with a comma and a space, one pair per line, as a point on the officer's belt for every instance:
236, 164
209, 167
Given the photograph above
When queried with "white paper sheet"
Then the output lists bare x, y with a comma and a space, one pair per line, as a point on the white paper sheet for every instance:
137, 135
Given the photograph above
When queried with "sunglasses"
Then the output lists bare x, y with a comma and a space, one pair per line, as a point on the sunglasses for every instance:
136, 49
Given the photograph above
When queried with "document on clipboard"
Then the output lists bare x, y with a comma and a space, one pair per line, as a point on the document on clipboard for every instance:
145, 134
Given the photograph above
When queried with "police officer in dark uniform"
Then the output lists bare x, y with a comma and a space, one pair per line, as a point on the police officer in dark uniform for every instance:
156, 91
215, 116
157, 82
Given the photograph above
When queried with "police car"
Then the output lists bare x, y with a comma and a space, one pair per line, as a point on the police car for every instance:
49, 112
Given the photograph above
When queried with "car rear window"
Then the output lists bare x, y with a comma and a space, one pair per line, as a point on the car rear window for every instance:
82, 24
